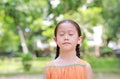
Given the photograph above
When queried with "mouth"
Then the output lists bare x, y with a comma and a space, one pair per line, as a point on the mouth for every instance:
65, 43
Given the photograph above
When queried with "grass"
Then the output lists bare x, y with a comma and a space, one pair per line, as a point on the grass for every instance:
13, 66
104, 64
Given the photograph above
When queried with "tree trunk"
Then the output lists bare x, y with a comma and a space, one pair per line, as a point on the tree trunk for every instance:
23, 42
97, 50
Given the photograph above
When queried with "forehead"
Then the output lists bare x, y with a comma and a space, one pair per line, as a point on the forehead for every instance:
67, 26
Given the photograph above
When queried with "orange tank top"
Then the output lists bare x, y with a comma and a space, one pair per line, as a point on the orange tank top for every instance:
73, 71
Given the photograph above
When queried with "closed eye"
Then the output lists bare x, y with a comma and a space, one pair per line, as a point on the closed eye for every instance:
61, 34
70, 34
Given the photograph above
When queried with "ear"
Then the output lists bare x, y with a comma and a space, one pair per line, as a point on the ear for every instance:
55, 39
79, 39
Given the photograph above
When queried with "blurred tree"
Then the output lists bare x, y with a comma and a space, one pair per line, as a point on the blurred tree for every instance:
111, 14
58, 7
17, 15
31, 18
94, 3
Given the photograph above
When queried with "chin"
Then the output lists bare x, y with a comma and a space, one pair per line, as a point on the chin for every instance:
67, 49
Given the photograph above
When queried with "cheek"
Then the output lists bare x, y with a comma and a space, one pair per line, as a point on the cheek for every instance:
59, 39
75, 40
59, 42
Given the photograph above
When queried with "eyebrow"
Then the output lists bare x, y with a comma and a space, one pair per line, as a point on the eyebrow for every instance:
60, 31
70, 31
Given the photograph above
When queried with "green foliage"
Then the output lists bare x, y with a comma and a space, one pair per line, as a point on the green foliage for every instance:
103, 64
87, 18
26, 60
84, 46
111, 14
13, 66
49, 33
95, 3
63, 7
21, 13
32, 14
106, 51
27, 57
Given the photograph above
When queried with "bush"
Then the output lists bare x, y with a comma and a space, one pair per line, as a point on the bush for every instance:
106, 51
26, 60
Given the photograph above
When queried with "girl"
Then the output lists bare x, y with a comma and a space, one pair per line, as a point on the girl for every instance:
67, 63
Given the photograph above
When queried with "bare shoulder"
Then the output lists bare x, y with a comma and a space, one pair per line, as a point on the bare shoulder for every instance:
88, 66
86, 63
50, 63
89, 71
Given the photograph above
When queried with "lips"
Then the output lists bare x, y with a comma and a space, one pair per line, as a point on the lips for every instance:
66, 43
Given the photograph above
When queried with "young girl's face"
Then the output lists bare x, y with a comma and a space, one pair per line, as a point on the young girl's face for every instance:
67, 36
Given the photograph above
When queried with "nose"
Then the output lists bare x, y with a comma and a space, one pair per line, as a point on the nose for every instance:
66, 37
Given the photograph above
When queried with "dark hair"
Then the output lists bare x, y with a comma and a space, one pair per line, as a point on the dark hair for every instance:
79, 34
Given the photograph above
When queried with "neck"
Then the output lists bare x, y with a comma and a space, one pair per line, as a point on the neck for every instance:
66, 58
68, 55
